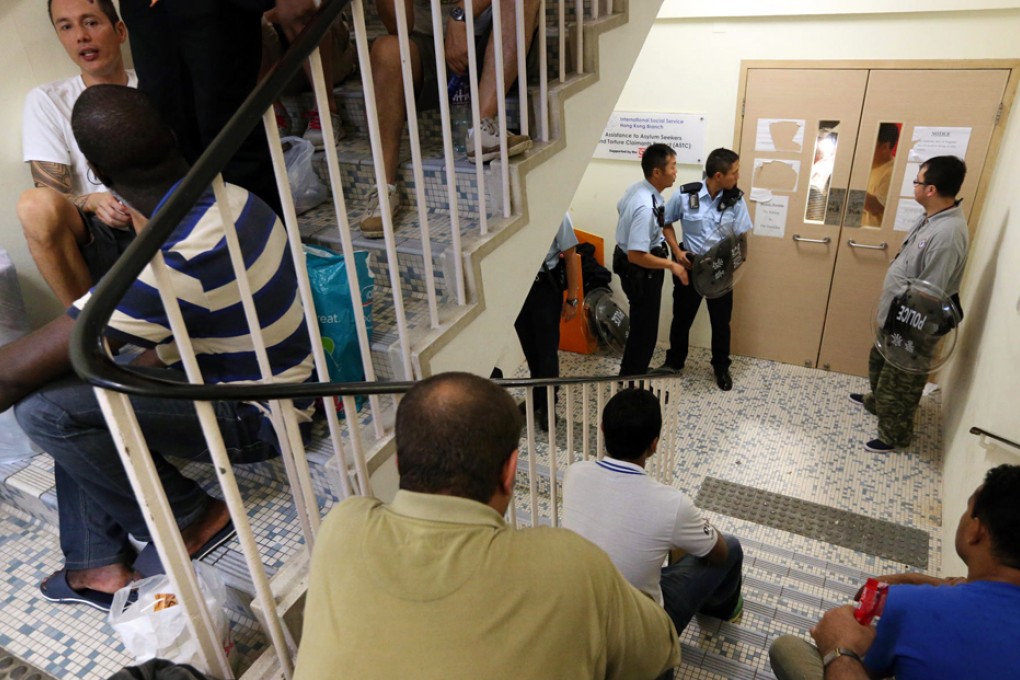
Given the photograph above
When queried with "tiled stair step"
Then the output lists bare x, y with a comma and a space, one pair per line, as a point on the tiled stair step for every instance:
384, 339
28, 485
350, 97
358, 175
317, 228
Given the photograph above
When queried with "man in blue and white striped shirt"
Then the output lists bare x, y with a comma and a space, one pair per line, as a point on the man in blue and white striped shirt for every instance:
135, 154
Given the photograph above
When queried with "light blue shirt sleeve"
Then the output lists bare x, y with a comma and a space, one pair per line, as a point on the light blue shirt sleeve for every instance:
675, 207
564, 240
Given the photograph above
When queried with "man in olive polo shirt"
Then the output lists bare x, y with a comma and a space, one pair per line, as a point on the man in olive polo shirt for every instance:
437, 585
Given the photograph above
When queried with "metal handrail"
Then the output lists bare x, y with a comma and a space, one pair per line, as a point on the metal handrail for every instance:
87, 347
985, 433
88, 354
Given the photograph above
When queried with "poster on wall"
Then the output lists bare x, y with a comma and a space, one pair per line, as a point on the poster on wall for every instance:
628, 134
779, 134
938, 141
770, 216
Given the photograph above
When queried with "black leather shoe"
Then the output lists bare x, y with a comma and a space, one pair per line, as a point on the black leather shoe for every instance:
724, 380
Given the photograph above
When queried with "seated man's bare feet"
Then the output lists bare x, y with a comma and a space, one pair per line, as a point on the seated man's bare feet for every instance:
106, 579
199, 532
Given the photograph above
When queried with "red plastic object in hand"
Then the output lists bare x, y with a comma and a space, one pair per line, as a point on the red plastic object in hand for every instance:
870, 601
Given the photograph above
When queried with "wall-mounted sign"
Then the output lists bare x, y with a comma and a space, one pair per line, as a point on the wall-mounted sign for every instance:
628, 134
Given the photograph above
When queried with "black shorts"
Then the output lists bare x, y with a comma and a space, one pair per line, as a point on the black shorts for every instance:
105, 244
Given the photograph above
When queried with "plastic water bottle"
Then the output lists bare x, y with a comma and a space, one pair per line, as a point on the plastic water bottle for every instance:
459, 90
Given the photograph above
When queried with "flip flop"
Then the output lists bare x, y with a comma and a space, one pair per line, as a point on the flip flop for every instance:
148, 563
57, 589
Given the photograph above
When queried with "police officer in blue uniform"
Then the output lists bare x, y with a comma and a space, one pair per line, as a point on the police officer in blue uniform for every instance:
641, 255
703, 210
538, 324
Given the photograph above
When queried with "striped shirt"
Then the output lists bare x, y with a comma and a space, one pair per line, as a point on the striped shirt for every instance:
202, 278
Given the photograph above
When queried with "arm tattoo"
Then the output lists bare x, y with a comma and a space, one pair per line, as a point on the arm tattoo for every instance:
56, 176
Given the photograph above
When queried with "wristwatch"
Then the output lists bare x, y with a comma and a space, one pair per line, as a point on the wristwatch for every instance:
838, 652
572, 302
457, 14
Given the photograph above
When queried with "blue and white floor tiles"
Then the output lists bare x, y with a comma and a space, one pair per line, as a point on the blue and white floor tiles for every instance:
785, 429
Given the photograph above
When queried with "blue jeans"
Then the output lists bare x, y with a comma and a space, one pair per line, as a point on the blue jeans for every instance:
692, 585
97, 508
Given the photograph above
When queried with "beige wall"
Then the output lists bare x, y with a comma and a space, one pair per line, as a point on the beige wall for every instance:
31, 55
981, 386
693, 65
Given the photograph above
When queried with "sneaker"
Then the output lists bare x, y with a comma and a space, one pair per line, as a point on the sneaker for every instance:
515, 144
314, 132
879, 446
372, 226
856, 398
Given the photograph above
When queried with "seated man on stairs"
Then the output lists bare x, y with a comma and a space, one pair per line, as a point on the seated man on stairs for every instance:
640, 522
436, 584
389, 90
932, 627
133, 151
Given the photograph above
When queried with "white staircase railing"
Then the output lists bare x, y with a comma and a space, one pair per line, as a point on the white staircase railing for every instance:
349, 439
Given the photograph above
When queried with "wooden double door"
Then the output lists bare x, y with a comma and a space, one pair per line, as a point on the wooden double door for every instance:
828, 157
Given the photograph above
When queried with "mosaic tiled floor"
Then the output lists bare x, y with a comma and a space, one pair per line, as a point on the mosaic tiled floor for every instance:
788, 430
785, 429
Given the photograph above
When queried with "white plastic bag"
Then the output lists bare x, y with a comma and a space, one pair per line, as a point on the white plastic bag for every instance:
156, 625
308, 190
14, 444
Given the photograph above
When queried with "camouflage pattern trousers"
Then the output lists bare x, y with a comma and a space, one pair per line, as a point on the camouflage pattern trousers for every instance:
894, 397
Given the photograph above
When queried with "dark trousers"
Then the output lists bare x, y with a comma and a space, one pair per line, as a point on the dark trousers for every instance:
199, 60
538, 329
644, 295
686, 301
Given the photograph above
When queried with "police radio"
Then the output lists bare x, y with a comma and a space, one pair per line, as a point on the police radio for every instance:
692, 189
729, 198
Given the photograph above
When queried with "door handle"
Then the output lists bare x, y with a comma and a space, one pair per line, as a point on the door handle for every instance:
854, 244
800, 239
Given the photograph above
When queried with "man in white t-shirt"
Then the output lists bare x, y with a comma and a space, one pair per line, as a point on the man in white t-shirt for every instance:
640, 522
74, 226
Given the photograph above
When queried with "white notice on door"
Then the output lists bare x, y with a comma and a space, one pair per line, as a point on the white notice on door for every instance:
908, 213
938, 141
779, 134
770, 217
909, 175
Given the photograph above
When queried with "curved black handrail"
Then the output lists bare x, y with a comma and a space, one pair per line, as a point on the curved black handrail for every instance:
985, 433
88, 354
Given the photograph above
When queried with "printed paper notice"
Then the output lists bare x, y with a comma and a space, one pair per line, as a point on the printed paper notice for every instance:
770, 217
908, 213
909, 175
775, 175
938, 141
779, 134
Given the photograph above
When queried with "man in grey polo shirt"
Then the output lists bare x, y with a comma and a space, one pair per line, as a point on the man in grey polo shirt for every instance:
935, 252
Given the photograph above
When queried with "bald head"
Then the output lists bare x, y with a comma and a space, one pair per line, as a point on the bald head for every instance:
455, 432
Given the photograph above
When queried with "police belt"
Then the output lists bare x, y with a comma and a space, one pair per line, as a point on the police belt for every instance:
620, 258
